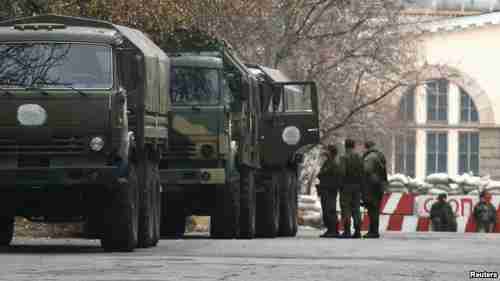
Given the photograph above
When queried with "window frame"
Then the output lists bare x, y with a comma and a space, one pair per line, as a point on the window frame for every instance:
404, 104
437, 104
470, 108
406, 154
436, 152
469, 151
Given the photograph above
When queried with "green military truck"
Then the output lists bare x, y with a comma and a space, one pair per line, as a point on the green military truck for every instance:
83, 121
225, 150
288, 123
213, 153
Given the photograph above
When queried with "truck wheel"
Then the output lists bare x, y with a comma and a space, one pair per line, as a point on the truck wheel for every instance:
121, 215
173, 218
6, 230
267, 221
225, 217
92, 227
147, 208
247, 203
288, 203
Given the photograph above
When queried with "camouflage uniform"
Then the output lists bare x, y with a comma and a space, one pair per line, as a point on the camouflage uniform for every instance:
485, 216
442, 216
350, 194
373, 187
330, 181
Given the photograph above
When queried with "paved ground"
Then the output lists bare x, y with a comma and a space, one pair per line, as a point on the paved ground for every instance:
397, 256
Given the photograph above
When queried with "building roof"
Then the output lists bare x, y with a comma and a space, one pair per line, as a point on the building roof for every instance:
460, 23
436, 14
453, 5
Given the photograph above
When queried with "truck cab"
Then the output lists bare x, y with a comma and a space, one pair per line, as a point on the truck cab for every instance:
289, 122
81, 120
213, 147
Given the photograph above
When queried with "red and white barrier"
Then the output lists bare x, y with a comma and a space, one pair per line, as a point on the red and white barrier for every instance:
397, 203
410, 213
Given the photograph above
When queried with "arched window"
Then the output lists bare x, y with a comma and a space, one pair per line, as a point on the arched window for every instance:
468, 110
407, 106
437, 100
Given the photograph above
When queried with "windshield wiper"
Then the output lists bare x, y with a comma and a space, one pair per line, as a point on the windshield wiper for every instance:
20, 86
6, 92
39, 90
66, 85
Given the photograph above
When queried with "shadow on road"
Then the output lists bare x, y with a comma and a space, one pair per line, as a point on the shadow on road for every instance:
189, 236
52, 248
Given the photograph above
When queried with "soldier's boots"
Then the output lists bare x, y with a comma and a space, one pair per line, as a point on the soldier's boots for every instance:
329, 234
357, 230
347, 230
371, 235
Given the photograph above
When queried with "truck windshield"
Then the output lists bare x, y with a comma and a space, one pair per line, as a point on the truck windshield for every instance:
56, 65
194, 86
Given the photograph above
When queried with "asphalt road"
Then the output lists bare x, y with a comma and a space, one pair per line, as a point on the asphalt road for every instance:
396, 256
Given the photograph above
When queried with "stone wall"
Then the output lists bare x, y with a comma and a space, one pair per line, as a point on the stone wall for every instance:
489, 152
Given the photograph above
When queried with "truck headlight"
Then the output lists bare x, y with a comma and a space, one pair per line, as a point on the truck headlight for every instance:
96, 143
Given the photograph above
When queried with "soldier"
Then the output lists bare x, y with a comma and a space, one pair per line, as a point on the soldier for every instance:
442, 216
485, 213
373, 189
350, 193
330, 181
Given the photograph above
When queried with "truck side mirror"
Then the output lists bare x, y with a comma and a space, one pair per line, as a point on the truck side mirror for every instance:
122, 94
140, 66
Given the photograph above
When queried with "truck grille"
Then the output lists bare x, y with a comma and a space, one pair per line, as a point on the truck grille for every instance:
56, 146
180, 150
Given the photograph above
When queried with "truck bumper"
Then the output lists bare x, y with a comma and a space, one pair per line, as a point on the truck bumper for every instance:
13, 177
193, 176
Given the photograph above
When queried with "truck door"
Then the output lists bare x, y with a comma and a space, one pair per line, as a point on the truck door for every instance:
290, 121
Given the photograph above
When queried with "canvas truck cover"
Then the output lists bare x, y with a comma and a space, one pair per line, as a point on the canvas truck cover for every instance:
91, 30
274, 74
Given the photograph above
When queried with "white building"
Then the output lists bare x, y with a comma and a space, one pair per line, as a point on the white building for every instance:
453, 119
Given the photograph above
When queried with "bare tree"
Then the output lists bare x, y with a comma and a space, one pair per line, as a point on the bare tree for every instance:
357, 52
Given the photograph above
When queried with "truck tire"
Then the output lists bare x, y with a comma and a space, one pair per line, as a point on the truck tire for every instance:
288, 203
6, 230
247, 203
225, 217
121, 215
267, 220
93, 225
147, 210
173, 217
